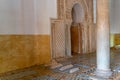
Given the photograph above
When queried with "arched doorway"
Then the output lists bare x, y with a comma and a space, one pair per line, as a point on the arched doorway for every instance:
61, 28
76, 29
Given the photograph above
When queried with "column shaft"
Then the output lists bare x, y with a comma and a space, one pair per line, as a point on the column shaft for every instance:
103, 40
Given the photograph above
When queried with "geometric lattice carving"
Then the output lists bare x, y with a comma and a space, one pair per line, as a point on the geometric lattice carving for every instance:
59, 39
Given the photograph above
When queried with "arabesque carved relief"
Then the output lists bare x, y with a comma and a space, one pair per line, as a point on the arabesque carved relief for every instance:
60, 28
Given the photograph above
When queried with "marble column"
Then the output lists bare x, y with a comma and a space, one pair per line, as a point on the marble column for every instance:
68, 40
103, 40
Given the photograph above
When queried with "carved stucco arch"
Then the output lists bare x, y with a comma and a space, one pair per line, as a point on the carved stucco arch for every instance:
61, 46
70, 5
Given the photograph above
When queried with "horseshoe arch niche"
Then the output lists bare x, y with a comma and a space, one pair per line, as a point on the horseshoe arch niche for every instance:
60, 28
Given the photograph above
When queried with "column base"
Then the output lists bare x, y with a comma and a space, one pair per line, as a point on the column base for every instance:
103, 73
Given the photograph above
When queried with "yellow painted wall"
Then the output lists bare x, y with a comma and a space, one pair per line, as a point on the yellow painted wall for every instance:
112, 40
20, 51
42, 49
115, 39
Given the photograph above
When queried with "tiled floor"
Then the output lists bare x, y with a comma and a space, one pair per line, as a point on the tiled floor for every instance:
86, 64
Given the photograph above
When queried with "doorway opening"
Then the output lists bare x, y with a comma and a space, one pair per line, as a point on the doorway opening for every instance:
76, 29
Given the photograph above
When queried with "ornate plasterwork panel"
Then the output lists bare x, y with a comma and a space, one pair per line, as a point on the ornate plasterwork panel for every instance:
69, 6
60, 27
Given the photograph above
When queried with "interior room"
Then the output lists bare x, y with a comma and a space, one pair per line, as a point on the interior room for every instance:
59, 40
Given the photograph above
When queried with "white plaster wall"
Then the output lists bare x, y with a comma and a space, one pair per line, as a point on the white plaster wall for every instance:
115, 16
45, 9
26, 16
8, 13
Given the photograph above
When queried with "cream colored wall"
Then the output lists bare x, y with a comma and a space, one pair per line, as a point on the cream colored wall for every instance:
26, 16
115, 16
45, 9
8, 15
16, 17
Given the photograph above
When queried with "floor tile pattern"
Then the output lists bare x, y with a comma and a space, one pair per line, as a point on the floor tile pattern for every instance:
86, 64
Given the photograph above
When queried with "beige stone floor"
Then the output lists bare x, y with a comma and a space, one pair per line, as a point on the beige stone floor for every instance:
34, 72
